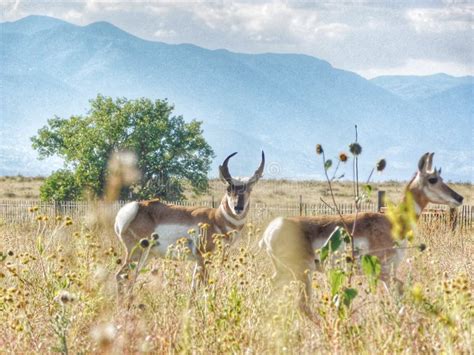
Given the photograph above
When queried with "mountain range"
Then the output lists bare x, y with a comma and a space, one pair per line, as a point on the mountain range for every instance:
282, 103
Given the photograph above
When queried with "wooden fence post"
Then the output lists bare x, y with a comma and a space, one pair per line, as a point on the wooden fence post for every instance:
57, 211
380, 200
453, 218
301, 205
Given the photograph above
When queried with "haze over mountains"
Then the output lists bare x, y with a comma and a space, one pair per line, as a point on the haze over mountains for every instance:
282, 103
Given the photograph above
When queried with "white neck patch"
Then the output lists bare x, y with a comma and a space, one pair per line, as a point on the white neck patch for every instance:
234, 221
416, 181
418, 209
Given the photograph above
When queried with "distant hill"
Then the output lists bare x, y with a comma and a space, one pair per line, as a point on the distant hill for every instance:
413, 87
282, 103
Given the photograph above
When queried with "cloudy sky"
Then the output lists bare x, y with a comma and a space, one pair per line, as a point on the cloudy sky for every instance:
369, 37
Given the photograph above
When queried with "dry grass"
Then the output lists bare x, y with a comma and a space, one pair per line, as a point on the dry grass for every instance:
238, 312
20, 187
267, 191
287, 191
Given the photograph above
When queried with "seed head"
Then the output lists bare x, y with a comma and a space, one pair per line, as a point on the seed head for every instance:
355, 148
204, 226
144, 243
343, 157
65, 297
381, 164
319, 149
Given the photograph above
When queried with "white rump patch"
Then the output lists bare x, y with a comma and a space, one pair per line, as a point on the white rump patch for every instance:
272, 228
125, 216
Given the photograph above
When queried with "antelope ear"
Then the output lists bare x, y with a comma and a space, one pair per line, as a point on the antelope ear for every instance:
422, 163
439, 171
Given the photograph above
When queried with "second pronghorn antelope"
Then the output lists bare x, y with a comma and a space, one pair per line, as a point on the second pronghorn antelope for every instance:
291, 242
169, 223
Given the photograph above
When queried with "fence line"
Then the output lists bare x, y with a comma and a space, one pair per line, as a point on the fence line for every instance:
14, 211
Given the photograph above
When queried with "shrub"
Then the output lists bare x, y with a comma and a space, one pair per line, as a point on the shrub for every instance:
60, 186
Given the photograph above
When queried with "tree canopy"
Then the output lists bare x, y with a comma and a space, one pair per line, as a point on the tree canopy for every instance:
168, 149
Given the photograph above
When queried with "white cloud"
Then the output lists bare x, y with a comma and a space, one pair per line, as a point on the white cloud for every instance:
165, 34
453, 18
72, 15
9, 9
420, 67
366, 37
268, 22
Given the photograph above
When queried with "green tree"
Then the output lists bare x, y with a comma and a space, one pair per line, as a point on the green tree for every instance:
169, 150
60, 186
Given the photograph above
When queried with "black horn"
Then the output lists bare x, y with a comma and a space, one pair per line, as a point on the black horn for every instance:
259, 172
224, 169
429, 161
422, 162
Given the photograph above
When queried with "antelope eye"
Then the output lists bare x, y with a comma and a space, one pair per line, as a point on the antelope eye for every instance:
433, 180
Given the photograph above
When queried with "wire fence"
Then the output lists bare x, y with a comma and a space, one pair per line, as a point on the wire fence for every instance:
20, 211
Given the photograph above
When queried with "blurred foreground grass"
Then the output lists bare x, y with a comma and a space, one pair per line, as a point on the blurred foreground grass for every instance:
57, 293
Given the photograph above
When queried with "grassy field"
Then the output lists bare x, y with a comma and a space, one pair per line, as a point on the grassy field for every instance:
20, 187
267, 191
57, 294
287, 191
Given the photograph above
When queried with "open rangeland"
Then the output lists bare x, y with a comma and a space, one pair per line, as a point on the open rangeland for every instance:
58, 293
20, 187
269, 191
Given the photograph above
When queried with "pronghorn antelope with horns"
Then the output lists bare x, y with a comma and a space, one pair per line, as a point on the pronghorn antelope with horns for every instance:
291, 242
166, 224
